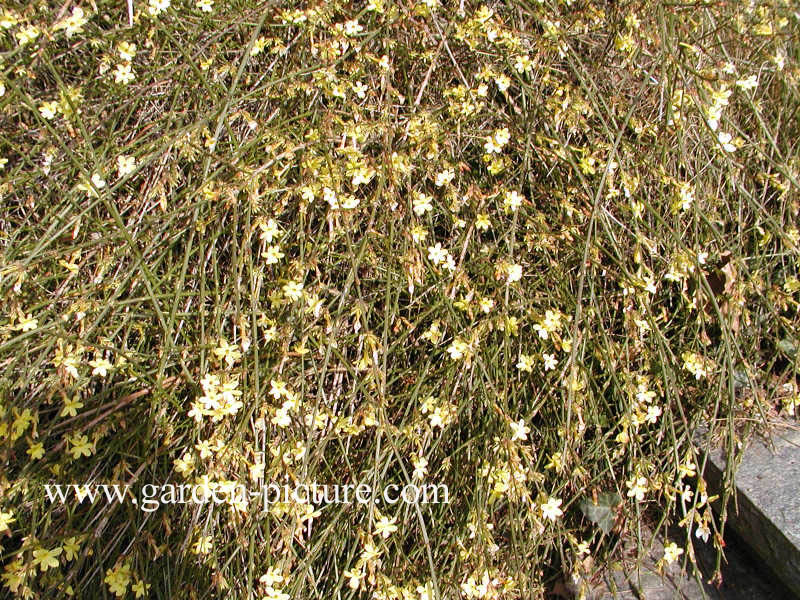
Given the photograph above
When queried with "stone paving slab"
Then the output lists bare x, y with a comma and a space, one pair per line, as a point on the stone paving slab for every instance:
762, 541
631, 581
743, 578
768, 501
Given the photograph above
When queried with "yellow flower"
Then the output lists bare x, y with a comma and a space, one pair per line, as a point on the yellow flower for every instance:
418, 234
125, 165
355, 576
196, 412
551, 509
703, 532
8, 20
202, 545
748, 83
80, 446
514, 273
269, 230
695, 364
495, 143
433, 333
457, 349
273, 594
385, 526
360, 90
118, 579
293, 290
22, 421
97, 183
71, 548
281, 418
156, 7
672, 552
184, 464
445, 177
271, 577
525, 363
46, 558
512, 200
687, 469
27, 34
227, 352
637, 487
14, 575
370, 552
422, 203
726, 143
685, 197
556, 462
420, 467
272, 255
353, 27
523, 63
6, 518
27, 323
653, 412
48, 110
257, 471
519, 430
36, 451
486, 305
140, 589
126, 51
74, 23
437, 254
100, 366
277, 388
502, 82
124, 74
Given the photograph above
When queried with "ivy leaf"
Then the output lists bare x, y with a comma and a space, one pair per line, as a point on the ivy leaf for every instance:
787, 346
602, 513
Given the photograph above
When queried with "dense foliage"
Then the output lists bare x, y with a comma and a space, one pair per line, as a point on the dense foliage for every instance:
524, 249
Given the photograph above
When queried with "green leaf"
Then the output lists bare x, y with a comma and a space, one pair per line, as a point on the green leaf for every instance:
602, 513
787, 346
